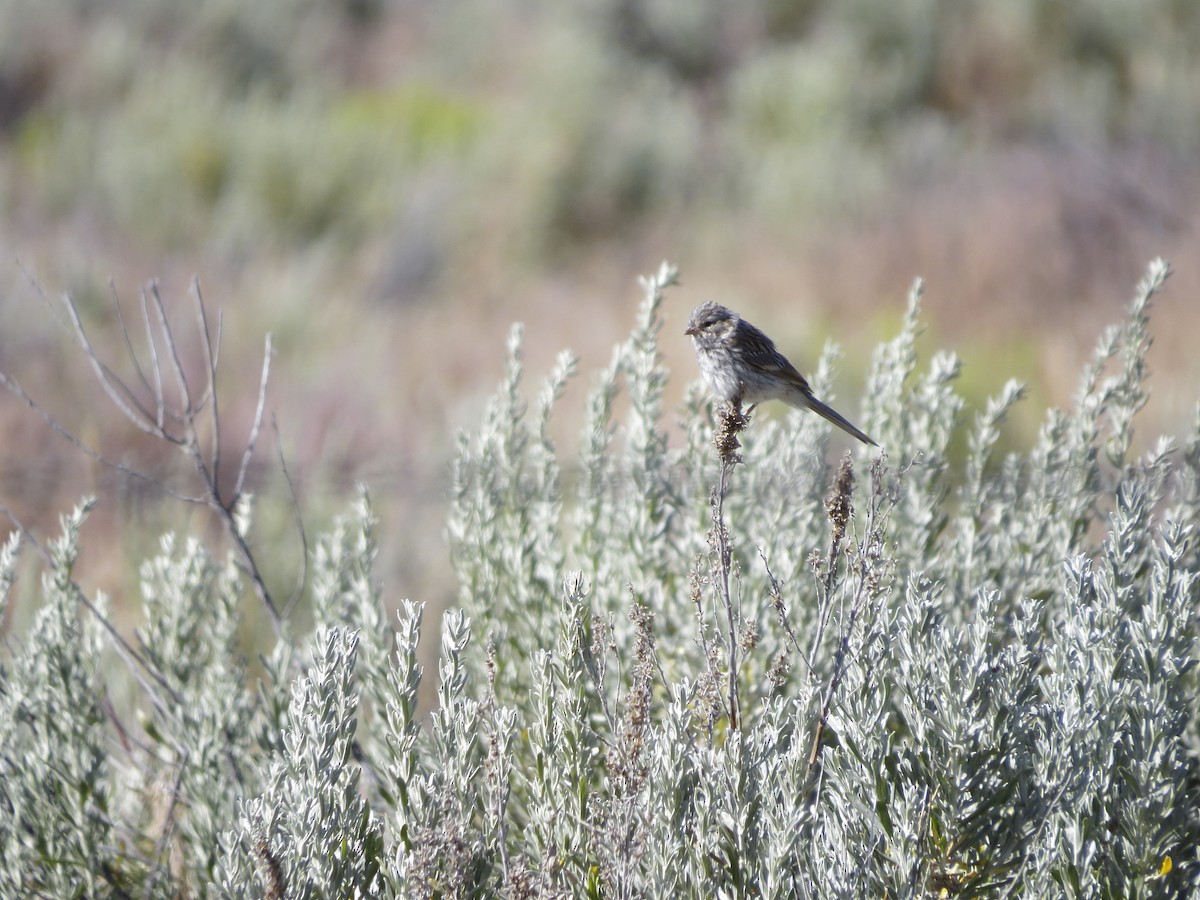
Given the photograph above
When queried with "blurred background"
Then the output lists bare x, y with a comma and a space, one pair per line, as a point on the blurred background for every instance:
387, 186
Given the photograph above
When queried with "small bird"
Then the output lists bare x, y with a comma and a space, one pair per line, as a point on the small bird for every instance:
740, 364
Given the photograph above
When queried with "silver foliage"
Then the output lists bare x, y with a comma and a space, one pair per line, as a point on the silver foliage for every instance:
957, 672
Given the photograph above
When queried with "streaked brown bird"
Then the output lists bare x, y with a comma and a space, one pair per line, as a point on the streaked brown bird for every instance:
741, 365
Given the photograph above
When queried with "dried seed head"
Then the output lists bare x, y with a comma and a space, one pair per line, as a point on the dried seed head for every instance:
778, 672
839, 506
730, 421
748, 636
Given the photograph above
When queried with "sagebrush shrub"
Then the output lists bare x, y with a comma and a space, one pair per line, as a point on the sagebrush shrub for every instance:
672, 672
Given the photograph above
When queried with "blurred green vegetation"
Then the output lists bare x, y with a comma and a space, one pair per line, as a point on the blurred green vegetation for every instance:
295, 120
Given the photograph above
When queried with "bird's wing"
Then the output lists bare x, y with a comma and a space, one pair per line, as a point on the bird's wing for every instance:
759, 351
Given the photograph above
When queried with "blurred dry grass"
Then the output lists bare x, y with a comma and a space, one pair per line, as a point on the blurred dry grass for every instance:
386, 187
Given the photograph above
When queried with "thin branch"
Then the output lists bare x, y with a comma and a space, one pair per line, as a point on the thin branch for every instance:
160, 406
252, 440
168, 827
187, 410
116, 389
840, 510
838, 507
210, 392
919, 857
725, 553
124, 648
730, 422
16, 390
781, 610
137, 365
224, 510
698, 602
212, 352
41, 293
586, 622
835, 679
299, 519
154, 422
250, 564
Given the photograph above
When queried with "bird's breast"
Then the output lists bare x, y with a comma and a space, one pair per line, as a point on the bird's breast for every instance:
719, 372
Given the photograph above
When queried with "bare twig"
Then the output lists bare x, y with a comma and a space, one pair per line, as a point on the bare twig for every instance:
137, 365
14, 387
252, 440
160, 407
206, 469
839, 509
250, 564
919, 862
867, 582
730, 422
695, 582
187, 410
134, 660
41, 294
781, 610
299, 520
168, 826
592, 635
120, 395
835, 678
210, 391
174, 426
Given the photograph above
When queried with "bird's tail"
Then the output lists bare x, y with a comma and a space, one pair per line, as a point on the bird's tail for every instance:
837, 419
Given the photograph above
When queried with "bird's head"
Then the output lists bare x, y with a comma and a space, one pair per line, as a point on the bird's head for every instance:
711, 320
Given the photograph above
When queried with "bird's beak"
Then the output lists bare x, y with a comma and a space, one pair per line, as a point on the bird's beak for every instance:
690, 330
